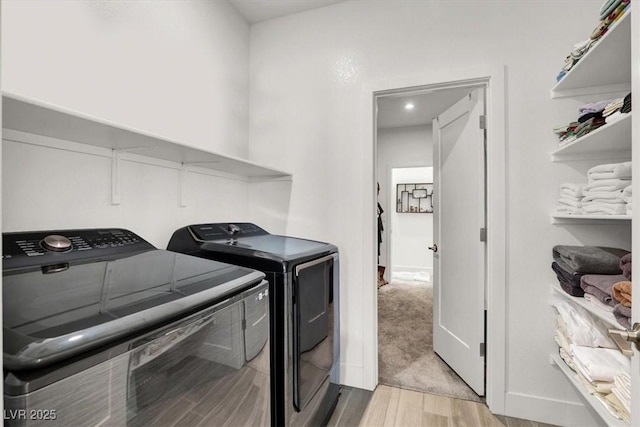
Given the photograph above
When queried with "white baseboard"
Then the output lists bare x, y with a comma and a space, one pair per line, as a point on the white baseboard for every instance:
412, 273
550, 411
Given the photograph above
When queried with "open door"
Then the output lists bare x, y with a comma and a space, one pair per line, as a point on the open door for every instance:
459, 239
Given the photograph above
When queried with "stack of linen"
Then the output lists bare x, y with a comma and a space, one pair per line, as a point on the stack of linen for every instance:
603, 194
566, 133
573, 263
610, 12
621, 399
590, 117
570, 201
621, 293
586, 348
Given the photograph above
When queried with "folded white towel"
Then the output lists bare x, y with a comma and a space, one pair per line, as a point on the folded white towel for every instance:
610, 171
564, 201
606, 185
600, 364
568, 210
565, 194
609, 197
572, 189
629, 209
605, 209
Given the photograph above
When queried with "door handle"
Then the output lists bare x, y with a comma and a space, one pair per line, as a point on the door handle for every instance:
632, 335
433, 248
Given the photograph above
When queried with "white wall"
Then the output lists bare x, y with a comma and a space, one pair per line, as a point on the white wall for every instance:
308, 74
178, 69
404, 146
411, 233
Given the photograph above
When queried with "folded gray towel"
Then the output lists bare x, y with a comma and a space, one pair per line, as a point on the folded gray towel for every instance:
599, 285
589, 259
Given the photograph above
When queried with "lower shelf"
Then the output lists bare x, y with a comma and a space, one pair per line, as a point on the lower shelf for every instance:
589, 399
602, 219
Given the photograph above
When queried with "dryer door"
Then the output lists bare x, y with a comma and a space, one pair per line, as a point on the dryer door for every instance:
312, 328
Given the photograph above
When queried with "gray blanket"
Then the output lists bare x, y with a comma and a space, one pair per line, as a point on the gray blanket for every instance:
589, 259
622, 315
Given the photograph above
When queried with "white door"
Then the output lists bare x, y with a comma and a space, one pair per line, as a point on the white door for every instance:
459, 259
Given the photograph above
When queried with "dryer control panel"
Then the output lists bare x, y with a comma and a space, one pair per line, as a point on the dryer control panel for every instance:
40, 248
225, 230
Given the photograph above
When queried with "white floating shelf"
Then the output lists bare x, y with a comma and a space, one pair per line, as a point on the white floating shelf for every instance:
591, 400
39, 118
605, 68
611, 141
595, 219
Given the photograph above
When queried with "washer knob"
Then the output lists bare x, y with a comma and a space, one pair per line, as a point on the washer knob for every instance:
56, 243
233, 229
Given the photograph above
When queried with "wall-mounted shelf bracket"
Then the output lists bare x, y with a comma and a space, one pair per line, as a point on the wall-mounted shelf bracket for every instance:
184, 169
116, 157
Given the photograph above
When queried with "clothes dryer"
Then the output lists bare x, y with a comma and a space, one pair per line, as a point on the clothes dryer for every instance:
303, 278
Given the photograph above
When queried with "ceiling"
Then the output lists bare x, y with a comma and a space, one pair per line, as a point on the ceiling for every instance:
427, 106
262, 10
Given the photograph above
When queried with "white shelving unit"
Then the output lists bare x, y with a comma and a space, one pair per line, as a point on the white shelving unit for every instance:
604, 69
39, 118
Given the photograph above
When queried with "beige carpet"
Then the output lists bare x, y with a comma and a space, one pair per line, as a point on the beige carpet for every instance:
405, 343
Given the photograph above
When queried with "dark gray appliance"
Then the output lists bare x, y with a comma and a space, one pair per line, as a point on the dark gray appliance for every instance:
101, 328
303, 278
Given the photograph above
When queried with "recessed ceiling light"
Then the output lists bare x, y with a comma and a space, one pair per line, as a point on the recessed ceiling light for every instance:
408, 106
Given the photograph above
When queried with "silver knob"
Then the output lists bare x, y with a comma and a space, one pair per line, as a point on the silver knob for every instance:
632, 335
56, 243
233, 229
434, 248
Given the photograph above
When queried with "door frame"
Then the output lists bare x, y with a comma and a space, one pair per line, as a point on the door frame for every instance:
494, 80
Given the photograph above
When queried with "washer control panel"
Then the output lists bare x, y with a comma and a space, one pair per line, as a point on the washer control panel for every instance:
23, 249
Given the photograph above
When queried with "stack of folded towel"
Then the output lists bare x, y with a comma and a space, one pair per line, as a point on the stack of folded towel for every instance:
570, 201
603, 194
584, 345
572, 263
610, 12
617, 109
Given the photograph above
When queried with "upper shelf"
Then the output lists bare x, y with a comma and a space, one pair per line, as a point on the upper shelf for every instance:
611, 141
605, 68
36, 117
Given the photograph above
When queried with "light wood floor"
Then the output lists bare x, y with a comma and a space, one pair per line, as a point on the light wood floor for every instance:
395, 407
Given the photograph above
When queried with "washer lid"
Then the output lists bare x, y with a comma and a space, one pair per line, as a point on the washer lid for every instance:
51, 316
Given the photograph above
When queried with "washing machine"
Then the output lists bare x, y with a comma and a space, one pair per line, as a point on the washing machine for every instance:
102, 328
303, 278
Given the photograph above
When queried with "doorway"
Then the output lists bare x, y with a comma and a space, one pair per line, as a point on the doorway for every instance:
494, 79
404, 152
